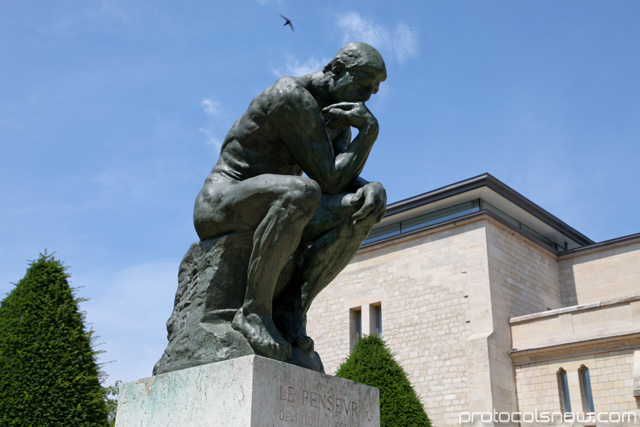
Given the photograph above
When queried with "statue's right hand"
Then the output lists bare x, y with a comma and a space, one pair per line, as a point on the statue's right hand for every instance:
345, 114
372, 200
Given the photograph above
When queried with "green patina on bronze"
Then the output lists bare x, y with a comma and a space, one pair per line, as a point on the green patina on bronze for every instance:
272, 239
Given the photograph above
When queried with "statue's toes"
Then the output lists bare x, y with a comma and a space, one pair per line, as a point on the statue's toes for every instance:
285, 351
305, 343
271, 349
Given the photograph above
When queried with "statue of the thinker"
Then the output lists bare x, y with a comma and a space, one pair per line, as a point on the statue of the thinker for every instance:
292, 234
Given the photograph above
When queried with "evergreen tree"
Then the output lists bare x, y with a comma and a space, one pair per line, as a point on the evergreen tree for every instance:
48, 371
111, 397
372, 363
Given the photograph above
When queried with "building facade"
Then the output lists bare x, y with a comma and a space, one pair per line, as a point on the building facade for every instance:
500, 313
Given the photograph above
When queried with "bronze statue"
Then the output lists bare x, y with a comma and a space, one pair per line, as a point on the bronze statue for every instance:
300, 231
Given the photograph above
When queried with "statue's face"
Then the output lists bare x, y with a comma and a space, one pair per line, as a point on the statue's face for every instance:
356, 84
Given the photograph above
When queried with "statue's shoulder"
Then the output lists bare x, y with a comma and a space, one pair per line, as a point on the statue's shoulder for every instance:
287, 83
287, 92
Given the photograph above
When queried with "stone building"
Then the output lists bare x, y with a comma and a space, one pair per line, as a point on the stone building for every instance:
498, 311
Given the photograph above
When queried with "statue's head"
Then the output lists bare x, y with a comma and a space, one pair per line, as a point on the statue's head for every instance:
356, 73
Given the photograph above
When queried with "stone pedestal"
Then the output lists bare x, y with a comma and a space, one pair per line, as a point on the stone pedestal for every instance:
249, 391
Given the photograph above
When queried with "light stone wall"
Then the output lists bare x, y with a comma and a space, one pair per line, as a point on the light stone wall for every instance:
448, 294
524, 273
524, 280
611, 375
605, 271
434, 319
590, 322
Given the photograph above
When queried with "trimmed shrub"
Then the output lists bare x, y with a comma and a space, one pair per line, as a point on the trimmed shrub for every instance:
48, 370
372, 363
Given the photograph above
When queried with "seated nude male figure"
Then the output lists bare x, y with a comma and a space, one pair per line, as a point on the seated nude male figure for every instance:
298, 125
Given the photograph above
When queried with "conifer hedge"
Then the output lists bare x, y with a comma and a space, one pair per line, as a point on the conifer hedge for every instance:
48, 370
372, 363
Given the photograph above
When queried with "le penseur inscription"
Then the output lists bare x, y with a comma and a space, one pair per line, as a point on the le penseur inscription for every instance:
317, 409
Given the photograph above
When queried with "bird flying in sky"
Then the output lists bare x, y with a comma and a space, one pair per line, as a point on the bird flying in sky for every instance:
287, 22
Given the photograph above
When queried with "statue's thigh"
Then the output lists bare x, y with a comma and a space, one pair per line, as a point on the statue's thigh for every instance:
241, 206
333, 211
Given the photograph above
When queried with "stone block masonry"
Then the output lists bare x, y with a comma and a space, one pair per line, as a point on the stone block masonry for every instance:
249, 391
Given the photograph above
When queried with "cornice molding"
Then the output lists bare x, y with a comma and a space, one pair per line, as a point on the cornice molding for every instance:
576, 349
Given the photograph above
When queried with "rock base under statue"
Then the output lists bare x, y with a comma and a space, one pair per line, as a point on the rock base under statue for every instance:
212, 282
249, 391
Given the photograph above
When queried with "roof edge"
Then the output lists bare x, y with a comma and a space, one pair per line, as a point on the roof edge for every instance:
491, 182
604, 243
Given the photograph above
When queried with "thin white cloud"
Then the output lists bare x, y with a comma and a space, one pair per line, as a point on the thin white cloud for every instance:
211, 138
296, 67
356, 28
211, 107
405, 42
401, 41
215, 121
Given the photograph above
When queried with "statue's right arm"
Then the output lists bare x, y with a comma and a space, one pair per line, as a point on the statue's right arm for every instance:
298, 122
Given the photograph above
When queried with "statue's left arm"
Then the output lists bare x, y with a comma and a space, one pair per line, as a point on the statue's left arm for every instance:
370, 196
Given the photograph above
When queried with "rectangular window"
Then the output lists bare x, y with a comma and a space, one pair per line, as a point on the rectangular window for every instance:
422, 221
382, 233
375, 317
440, 216
488, 206
355, 326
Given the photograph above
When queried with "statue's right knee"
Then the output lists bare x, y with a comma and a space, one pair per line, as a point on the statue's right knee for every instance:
304, 195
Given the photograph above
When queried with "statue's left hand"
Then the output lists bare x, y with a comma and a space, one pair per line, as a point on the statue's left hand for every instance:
373, 198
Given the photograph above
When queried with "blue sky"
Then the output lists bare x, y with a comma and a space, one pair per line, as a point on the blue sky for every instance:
112, 113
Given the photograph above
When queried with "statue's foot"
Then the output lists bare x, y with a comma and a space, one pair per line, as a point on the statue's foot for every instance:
262, 335
298, 332
304, 342
292, 324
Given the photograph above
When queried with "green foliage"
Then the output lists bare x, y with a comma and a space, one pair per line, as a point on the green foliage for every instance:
111, 398
372, 363
48, 371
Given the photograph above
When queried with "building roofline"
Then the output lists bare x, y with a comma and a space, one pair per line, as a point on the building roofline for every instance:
600, 245
489, 181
